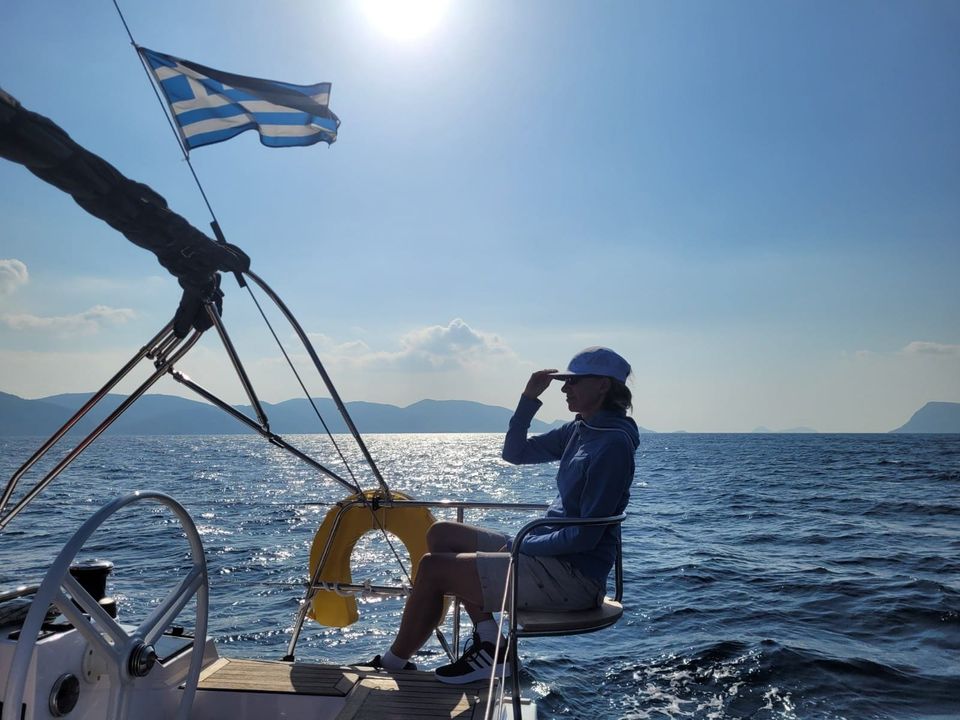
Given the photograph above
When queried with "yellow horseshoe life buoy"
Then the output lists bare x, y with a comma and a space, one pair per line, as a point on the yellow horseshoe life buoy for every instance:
409, 524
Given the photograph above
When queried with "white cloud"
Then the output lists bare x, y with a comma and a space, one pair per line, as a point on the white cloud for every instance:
326, 344
13, 274
440, 362
452, 347
84, 323
919, 347
915, 348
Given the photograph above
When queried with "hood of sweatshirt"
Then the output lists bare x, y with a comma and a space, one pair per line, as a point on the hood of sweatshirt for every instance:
605, 421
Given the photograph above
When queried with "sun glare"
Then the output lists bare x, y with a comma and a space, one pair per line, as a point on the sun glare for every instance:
405, 19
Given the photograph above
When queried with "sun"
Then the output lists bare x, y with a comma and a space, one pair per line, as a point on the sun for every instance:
405, 19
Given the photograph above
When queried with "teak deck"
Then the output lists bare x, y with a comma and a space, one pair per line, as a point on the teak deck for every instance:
370, 695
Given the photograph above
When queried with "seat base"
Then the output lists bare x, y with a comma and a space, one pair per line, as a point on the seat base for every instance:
531, 622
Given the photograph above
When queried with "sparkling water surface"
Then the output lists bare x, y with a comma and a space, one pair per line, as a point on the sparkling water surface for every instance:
767, 576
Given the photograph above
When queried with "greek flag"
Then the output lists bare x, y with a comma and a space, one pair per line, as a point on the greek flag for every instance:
210, 106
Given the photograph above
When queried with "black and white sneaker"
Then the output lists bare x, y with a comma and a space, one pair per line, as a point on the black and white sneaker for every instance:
475, 664
376, 664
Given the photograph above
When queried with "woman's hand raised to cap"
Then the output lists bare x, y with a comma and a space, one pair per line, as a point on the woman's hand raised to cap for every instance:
538, 382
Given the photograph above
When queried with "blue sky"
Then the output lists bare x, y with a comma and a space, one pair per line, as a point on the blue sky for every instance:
757, 203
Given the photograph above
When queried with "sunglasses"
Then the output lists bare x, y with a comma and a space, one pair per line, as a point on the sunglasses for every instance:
577, 378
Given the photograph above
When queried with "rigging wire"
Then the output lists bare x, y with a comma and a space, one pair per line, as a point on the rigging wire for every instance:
216, 228
369, 504
303, 387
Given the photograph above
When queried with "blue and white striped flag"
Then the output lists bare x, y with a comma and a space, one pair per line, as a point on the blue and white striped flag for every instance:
210, 106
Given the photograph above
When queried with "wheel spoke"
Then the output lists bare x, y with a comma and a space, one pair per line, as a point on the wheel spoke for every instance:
162, 617
102, 623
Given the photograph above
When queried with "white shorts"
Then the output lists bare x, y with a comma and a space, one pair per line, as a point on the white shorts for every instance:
545, 582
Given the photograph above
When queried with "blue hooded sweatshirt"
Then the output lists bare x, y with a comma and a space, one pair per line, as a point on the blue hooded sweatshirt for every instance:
594, 478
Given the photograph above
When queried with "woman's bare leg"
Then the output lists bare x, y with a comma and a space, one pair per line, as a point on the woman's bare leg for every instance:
439, 574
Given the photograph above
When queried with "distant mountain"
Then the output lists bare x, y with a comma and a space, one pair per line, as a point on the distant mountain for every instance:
934, 417
788, 431
149, 415
170, 415
15, 413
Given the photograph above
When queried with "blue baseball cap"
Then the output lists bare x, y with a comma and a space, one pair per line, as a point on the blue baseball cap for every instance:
596, 361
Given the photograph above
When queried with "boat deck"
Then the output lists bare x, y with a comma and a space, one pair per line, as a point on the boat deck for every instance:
367, 694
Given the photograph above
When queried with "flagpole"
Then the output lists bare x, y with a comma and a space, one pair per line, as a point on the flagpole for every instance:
169, 113
181, 140
136, 47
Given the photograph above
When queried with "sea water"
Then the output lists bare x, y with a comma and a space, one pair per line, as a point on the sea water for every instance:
767, 576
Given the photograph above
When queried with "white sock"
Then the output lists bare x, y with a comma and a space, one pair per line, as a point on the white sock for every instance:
389, 661
488, 630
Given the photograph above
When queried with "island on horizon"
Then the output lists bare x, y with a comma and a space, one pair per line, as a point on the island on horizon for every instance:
157, 414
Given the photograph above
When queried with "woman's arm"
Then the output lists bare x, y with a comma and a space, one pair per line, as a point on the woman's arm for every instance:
520, 449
